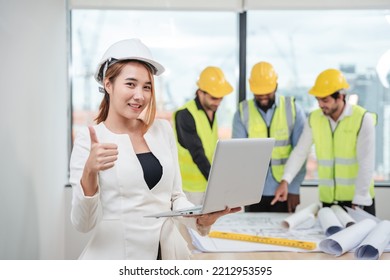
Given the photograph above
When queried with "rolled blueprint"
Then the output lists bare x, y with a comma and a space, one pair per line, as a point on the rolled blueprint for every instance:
329, 221
304, 218
345, 219
375, 242
347, 239
359, 214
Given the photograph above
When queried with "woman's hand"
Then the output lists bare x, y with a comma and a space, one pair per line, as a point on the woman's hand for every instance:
101, 157
209, 219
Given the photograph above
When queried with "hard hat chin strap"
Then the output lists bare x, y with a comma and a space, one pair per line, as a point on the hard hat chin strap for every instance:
110, 61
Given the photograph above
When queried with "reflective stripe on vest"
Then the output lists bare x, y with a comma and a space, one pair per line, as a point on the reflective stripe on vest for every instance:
192, 179
337, 162
281, 127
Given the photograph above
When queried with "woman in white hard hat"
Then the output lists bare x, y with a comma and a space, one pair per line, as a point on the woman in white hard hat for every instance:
126, 166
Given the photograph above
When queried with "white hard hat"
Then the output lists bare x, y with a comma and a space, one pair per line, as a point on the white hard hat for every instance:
124, 50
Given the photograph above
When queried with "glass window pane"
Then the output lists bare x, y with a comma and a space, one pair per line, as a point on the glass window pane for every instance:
184, 42
301, 44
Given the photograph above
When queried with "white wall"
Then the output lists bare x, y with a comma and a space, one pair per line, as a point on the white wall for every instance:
33, 125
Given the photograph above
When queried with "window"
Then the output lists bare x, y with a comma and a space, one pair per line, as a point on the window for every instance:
301, 44
184, 42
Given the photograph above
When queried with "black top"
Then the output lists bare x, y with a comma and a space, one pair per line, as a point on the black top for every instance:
188, 138
151, 167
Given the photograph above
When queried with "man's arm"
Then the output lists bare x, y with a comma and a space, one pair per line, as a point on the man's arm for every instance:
294, 163
299, 154
366, 160
295, 135
189, 139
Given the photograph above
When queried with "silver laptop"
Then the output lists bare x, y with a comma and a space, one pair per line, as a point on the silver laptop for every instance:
236, 178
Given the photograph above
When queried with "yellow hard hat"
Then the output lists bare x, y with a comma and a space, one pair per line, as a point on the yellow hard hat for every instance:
212, 80
263, 79
328, 82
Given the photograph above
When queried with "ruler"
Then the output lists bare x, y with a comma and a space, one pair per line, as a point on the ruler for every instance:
307, 245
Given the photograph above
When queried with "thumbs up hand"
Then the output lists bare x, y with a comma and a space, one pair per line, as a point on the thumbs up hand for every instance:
102, 155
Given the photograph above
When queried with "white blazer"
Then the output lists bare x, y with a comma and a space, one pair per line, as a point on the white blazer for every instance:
116, 212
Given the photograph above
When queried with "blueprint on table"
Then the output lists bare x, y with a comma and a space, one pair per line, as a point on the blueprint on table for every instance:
272, 225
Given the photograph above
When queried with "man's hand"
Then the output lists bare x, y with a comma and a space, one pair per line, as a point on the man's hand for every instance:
292, 202
281, 192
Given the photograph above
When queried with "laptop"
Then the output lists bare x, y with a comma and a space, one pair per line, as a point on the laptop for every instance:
237, 176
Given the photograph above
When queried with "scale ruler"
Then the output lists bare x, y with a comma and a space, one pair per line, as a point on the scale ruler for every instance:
307, 245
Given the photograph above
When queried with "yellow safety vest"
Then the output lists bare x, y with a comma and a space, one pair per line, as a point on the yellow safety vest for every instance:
336, 155
193, 179
281, 127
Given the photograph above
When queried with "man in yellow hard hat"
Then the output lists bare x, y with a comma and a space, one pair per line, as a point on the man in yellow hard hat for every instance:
280, 118
344, 139
196, 129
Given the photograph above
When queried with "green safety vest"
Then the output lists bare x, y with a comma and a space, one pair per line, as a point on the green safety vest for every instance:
193, 179
336, 155
282, 124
